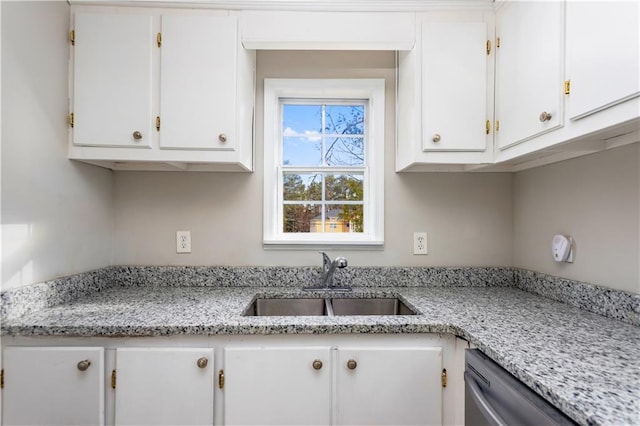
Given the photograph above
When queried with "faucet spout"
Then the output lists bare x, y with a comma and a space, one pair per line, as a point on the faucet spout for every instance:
328, 270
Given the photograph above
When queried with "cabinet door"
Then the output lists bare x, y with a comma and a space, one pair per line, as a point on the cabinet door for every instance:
198, 82
529, 74
277, 386
164, 386
454, 86
380, 386
112, 78
52, 386
603, 54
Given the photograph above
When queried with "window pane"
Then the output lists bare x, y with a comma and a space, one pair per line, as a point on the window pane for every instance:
343, 218
344, 151
299, 217
302, 187
344, 187
301, 120
344, 119
301, 151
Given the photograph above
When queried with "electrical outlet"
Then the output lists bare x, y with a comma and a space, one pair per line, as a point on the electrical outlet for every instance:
419, 243
183, 241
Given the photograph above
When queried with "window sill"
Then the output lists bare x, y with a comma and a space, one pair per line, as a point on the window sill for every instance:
315, 245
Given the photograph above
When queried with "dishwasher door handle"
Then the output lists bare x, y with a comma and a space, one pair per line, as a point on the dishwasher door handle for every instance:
483, 405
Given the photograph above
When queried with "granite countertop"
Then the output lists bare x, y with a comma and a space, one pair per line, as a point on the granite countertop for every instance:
585, 364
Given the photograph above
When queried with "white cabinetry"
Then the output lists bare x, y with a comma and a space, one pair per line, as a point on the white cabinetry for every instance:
113, 80
277, 386
161, 90
198, 82
320, 385
445, 92
53, 386
164, 386
383, 386
603, 55
529, 70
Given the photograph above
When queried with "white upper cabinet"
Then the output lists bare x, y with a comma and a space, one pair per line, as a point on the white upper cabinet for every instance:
328, 30
198, 81
603, 48
529, 70
112, 101
175, 82
445, 92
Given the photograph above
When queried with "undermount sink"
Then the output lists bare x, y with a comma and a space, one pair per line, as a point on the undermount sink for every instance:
327, 307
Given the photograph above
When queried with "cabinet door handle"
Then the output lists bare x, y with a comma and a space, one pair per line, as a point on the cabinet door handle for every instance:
84, 365
137, 135
317, 364
222, 137
436, 137
544, 116
352, 364
202, 362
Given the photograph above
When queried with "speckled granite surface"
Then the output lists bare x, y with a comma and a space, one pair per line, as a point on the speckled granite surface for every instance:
584, 363
611, 303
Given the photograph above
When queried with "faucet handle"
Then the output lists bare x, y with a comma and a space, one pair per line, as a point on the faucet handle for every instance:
341, 262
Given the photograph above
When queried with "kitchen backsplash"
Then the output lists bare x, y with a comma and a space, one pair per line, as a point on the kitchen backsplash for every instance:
604, 301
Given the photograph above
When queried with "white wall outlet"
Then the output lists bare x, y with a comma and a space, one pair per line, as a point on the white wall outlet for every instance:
419, 243
183, 241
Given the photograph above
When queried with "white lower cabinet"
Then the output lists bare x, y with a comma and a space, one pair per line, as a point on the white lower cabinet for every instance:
320, 385
164, 386
53, 386
384, 386
265, 380
277, 385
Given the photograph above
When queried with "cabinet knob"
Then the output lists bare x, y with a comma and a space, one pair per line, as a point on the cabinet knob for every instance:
352, 364
222, 137
137, 135
84, 365
544, 116
317, 364
202, 362
436, 137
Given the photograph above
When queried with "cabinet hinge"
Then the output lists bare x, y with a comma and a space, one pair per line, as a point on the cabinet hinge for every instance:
2, 379
113, 379
159, 39
72, 37
497, 126
71, 120
487, 127
488, 47
158, 123
443, 378
497, 42
567, 87
221, 379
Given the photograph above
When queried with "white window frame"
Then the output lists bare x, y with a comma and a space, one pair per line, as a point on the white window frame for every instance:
371, 90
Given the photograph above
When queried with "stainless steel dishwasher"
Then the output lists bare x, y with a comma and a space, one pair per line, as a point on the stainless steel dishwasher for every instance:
495, 397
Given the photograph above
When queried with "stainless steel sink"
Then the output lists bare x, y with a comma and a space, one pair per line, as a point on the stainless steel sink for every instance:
327, 307
370, 306
287, 307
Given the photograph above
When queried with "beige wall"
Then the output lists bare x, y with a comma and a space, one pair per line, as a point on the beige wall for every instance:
56, 214
596, 200
468, 217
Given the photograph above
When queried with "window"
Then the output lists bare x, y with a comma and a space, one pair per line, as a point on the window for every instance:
323, 161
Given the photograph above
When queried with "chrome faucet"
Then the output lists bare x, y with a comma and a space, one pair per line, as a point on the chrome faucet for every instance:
328, 270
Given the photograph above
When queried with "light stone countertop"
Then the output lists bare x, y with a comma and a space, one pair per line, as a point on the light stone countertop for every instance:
585, 364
